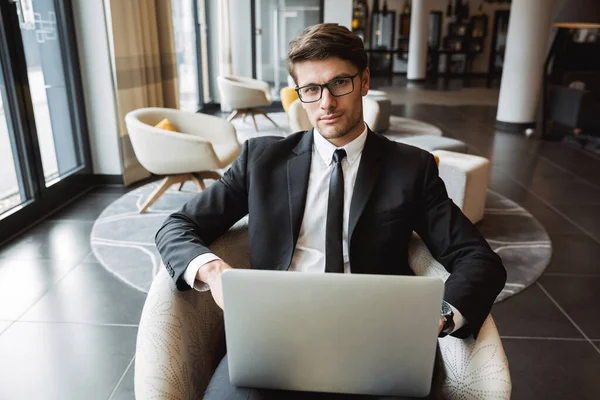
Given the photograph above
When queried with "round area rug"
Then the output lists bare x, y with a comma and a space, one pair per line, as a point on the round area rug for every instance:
399, 127
123, 240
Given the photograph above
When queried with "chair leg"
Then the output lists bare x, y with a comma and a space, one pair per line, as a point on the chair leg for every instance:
199, 177
199, 182
234, 114
165, 184
267, 117
180, 186
244, 115
208, 175
254, 120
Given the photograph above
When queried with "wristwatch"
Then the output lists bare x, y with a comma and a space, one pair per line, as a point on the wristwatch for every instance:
448, 317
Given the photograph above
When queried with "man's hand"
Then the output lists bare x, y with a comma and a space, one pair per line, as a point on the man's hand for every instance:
210, 273
441, 325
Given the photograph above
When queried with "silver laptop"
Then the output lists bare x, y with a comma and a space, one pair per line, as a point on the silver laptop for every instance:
340, 333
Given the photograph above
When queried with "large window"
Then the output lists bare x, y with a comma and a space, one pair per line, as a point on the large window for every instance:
191, 42
43, 148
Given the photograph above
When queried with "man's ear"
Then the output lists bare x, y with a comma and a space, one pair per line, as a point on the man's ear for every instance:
365, 80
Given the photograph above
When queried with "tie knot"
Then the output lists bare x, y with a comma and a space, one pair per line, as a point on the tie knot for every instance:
339, 155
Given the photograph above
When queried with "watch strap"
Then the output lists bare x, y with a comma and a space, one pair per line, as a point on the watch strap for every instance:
448, 326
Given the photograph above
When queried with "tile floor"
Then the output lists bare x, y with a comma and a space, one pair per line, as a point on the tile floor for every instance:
68, 327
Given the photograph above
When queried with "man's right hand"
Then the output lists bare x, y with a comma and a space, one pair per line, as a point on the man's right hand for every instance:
210, 273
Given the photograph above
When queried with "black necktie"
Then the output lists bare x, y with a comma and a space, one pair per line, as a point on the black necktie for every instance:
334, 257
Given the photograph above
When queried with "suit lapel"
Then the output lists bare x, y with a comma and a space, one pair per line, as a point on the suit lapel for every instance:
298, 172
366, 178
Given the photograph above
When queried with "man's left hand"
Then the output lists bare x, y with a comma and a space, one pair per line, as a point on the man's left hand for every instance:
441, 326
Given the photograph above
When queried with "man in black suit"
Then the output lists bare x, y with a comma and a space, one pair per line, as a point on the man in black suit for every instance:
336, 198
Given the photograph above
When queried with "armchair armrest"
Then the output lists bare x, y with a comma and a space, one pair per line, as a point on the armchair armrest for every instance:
470, 365
180, 341
181, 337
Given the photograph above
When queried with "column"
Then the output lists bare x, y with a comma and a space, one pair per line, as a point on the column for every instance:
526, 50
338, 11
417, 44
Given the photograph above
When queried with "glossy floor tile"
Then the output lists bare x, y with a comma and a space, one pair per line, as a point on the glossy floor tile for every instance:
552, 219
4, 325
546, 169
87, 208
24, 282
89, 294
585, 216
565, 191
531, 313
578, 162
553, 370
63, 361
125, 389
67, 241
574, 254
112, 189
579, 297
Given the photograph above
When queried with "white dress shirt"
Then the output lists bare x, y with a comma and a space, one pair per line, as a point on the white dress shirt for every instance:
309, 254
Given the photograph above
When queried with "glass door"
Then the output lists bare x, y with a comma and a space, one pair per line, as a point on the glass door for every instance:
277, 23
44, 150
12, 190
47, 85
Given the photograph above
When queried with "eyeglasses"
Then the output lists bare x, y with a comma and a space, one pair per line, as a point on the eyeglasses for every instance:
337, 87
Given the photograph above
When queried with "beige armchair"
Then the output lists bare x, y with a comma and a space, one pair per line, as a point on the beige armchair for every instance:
298, 117
245, 96
181, 336
202, 145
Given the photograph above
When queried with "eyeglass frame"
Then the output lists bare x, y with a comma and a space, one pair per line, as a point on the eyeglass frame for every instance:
326, 86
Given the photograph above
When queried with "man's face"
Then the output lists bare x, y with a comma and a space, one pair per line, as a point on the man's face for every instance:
338, 119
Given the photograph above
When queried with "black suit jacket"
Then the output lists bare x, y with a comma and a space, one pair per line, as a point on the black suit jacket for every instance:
397, 191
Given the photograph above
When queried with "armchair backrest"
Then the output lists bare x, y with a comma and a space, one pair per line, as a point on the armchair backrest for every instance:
190, 149
298, 117
241, 92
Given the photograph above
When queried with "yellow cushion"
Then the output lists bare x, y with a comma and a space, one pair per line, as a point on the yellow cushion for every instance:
166, 125
437, 160
288, 96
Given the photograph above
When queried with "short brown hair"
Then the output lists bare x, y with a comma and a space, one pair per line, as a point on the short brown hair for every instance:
322, 41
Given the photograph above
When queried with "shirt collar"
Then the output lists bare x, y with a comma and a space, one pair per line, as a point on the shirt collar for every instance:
326, 148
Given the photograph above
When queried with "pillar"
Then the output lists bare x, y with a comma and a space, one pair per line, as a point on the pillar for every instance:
417, 43
526, 49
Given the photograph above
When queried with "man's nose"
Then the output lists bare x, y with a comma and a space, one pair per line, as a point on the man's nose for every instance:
328, 101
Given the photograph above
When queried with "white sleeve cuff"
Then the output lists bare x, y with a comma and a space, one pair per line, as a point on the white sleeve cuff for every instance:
192, 270
459, 320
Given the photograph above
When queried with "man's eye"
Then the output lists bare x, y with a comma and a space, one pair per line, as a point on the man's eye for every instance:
340, 82
310, 89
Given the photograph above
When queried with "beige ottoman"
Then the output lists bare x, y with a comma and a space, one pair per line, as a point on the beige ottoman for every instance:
434, 142
466, 177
